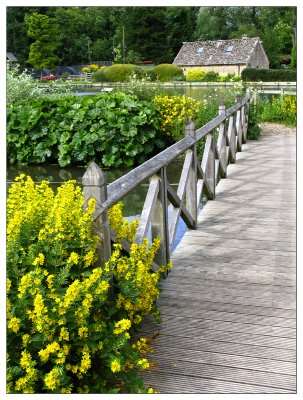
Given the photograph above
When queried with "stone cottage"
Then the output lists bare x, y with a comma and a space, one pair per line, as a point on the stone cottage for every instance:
222, 56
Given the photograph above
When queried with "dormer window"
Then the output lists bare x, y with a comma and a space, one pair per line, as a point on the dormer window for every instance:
229, 49
200, 50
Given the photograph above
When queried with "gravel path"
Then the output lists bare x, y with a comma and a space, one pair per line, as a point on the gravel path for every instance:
273, 129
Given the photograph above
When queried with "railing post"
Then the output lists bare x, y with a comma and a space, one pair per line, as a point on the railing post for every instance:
94, 185
159, 223
213, 164
231, 134
222, 149
255, 97
191, 187
239, 126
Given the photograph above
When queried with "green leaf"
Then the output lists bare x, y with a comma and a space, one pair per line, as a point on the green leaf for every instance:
109, 160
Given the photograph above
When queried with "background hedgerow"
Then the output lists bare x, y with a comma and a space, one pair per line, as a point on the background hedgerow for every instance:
167, 72
70, 320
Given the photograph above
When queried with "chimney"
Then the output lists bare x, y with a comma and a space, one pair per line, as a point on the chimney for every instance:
244, 36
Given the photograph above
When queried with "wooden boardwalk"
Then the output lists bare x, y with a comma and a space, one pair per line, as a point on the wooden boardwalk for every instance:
229, 304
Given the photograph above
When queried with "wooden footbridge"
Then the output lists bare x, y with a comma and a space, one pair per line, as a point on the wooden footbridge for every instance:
229, 304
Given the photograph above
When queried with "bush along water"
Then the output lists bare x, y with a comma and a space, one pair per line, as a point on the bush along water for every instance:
70, 320
116, 130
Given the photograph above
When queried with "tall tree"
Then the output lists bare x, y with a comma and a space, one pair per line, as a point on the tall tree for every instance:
180, 25
45, 32
144, 32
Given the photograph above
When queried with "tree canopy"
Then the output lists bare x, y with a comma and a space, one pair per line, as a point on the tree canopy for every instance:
133, 34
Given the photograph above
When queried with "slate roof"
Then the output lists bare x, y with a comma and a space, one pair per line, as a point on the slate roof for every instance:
215, 52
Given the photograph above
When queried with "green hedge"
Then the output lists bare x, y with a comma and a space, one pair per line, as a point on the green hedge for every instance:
122, 72
167, 72
269, 75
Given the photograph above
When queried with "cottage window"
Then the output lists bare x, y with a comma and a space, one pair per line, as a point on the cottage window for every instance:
200, 50
229, 49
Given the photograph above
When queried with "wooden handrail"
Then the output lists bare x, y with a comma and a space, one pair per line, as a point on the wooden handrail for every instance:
220, 150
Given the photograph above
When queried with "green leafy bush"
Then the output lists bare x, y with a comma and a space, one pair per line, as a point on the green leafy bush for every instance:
167, 72
19, 86
212, 76
230, 78
115, 129
98, 76
151, 75
70, 321
122, 72
144, 89
268, 75
253, 129
195, 75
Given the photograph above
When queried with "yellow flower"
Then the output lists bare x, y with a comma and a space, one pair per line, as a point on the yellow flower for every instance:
25, 359
24, 284
73, 259
67, 390
51, 379
8, 285
64, 334
102, 287
115, 366
39, 260
21, 383
14, 324
121, 326
83, 332
25, 340
143, 363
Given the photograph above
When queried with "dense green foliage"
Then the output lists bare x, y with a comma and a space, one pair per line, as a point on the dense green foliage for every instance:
114, 129
167, 72
153, 33
269, 75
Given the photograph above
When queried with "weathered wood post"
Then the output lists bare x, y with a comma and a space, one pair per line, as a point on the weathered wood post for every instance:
222, 145
245, 117
239, 126
191, 187
255, 97
231, 139
94, 186
208, 162
159, 222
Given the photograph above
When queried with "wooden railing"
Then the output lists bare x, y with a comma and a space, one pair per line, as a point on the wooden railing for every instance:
223, 137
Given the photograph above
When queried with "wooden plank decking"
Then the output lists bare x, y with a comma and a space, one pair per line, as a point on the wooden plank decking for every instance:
229, 304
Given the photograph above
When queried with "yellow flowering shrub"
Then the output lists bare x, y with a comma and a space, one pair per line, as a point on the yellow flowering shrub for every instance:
67, 332
90, 68
283, 110
174, 111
